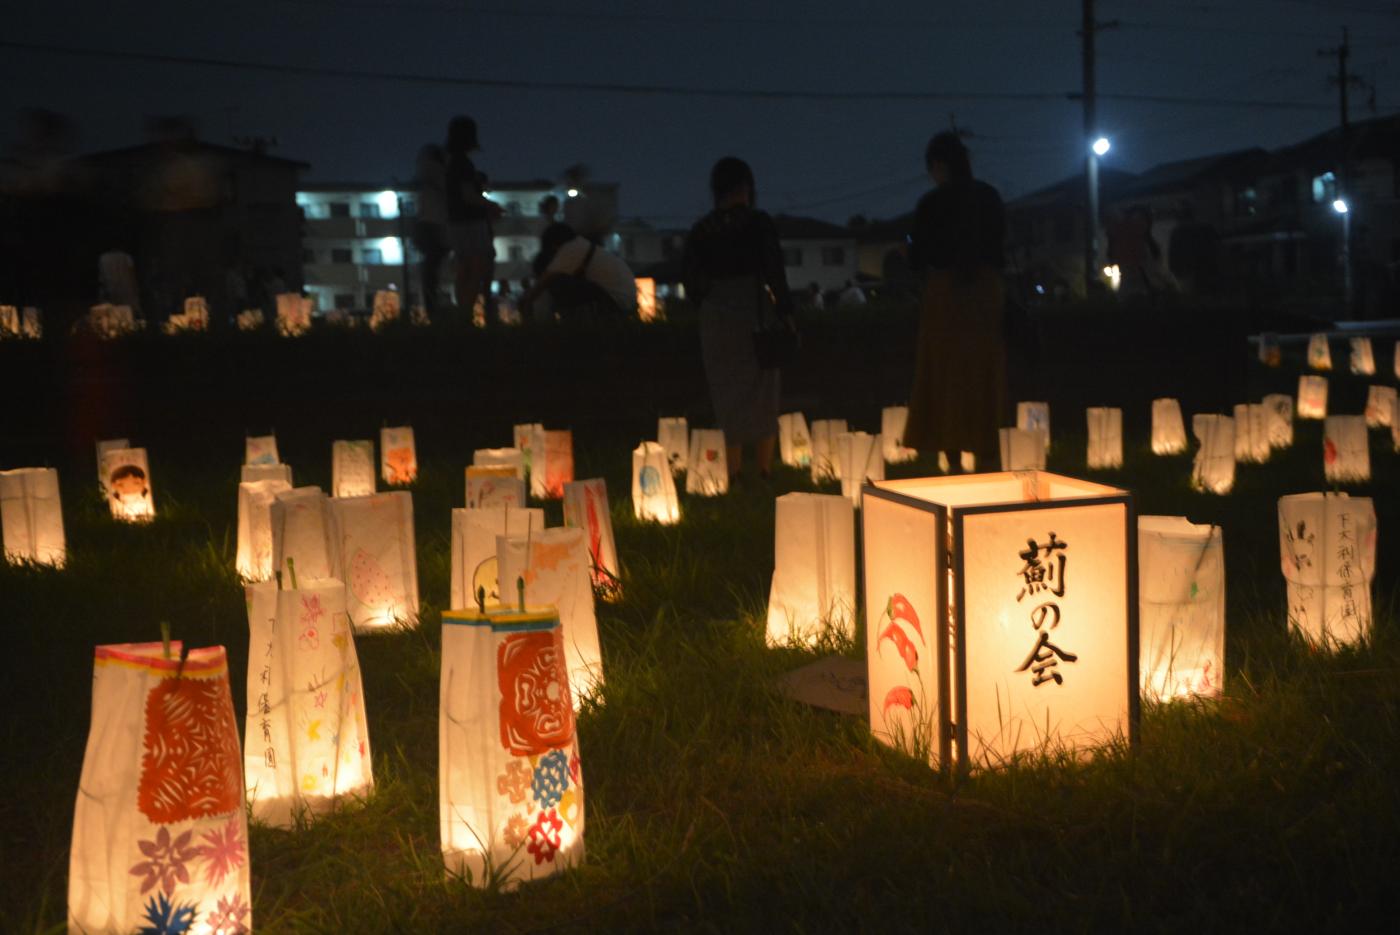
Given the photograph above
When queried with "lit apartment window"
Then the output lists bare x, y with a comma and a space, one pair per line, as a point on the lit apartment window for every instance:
369, 209
833, 256
372, 256
342, 255
792, 256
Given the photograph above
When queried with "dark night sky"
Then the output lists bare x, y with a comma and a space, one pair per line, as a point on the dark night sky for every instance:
830, 158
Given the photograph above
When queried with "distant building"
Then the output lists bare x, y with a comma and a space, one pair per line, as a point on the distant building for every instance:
1045, 235
816, 252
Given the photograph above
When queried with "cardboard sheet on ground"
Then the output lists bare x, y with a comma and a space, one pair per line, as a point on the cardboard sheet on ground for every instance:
834, 683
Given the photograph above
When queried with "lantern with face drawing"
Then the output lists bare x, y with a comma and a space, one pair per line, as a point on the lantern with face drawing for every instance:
128, 479
474, 534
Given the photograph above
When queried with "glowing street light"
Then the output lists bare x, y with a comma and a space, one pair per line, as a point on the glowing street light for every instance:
1340, 206
572, 193
1101, 146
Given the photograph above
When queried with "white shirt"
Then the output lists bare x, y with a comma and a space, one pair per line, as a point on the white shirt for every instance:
605, 270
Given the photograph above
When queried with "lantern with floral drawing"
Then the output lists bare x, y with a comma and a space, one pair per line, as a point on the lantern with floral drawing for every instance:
31, 516
1346, 449
352, 468
893, 420
1168, 429
474, 535
160, 837
494, 487
586, 507
707, 472
1105, 437
1278, 419
553, 563
303, 530
1312, 397
653, 488
260, 449
646, 298
398, 455
254, 473
1251, 433
1213, 469
512, 458
254, 559
1363, 361
794, 440
1380, 402
673, 435
510, 785
1181, 597
126, 473
1327, 548
825, 463
553, 464
1319, 353
967, 461
1034, 416
1021, 450
1002, 616
293, 314
860, 459
307, 742
374, 539
814, 569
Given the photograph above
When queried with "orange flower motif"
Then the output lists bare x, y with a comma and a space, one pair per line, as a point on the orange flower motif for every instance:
514, 782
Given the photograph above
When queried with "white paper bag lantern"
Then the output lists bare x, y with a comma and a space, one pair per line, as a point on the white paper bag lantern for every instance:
1181, 595
293, 314
552, 464
1278, 419
825, 463
586, 507
529, 438
554, 566
127, 476
1312, 397
31, 515
398, 455
254, 559
1380, 401
104, 446
160, 837
474, 535
1033, 416
673, 435
486, 488
1105, 437
250, 319
1252, 433
1363, 362
1346, 449
9, 321
377, 551
1001, 616
860, 458
303, 530
512, 458
1319, 353
967, 461
352, 468
510, 785
794, 440
893, 420
1327, 547
1213, 469
646, 298
707, 474
307, 736
1021, 450
385, 310
653, 489
814, 569
1168, 430
260, 449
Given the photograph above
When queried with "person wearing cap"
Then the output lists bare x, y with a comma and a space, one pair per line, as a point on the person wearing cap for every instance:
469, 215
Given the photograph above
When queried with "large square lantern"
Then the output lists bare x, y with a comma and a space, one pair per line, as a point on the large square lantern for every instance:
352, 468
1001, 615
1021, 450
824, 462
260, 449
1319, 353
1168, 429
1312, 397
1213, 469
1105, 437
126, 473
303, 534
1278, 419
586, 507
1252, 433
708, 471
673, 435
254, 473
794, 440
495, 487
814, 569
1327, 547
860, 458
1034, 416
398, 456
1346, 449
254, 559
474, 535
653, 488
160, 836
1380, 402
1363, 361
377, 552
31, 516
1181, 582
512, 458
307, 741
510, 786
893, 420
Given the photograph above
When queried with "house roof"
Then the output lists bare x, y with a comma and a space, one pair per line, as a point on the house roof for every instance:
409, 185
887, 230
1110, 180
246, 155
791, 227
1379, 136
1185, 172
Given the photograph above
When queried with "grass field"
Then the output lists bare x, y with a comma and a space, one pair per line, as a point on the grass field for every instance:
714, 804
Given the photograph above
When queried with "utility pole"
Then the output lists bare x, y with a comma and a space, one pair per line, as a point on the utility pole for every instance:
1088, 27
1344, 81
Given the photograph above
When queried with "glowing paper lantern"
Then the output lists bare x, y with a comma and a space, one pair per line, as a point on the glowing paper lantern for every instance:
547, 479
1213, 469
1181, 595
385, 309
1397, 360
307, 736
260, 449
494, 487
1168, 430
474, 535
352, 468
1270, 355
1001, 615
1319, 354
1363, 362
1105, 437
554, 566
195, 317
253, 473
646, 298
707, 473
1020, 450
104, 446
586, 507
512, 458
1327, 547
893, 420
529, 438
824, 461
1032, 416
814, 569
1380, 402
9, 321
303, 530
110, 321
293, 314
510, 786
673, 435
376, 547
1251, 433
126, 475
31, 516
398, 456
794, 441
967, 461
1278, 419
160, 837
1312, 397
653, 489
860, 459
250, 319
254, 560
1346, 449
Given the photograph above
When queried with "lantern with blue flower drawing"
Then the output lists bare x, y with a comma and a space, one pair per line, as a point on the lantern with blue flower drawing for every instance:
653, 489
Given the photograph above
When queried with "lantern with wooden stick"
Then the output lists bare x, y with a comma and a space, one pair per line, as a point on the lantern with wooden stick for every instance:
1380, 402
1278, 419
376, 547
794, 440
653, 488
1034, 416
1346, 449
1213, 469
1327, 547
1363, 361
860, 457
1105, 437
1319, 353
1168, 430
707, 474
254, 559
474, 535
1312, 397
127, 474
31, 515
1181, 595
824, 461
398, 455
352, 468
814, 569
1021, 450
1251, 433
673, 435
586, 507
893, 420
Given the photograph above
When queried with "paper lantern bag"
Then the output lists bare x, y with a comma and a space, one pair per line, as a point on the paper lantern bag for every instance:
512, 458
825, 462
1181, 595
586, 507
494, 487
1105, 437
653, 488
1034, 416
352, 468
708, 471
126, 473
1021, 450
1213, 469
558, 467
860, 459
260, 449
814, 568
31, 515
1363, 361
1346, 449
254, 558
1278, 419
1312, 397
1327, 548
160, 837
474, 534
1252, 433
374, 538
398, 455
303, 530
1319, 353
1168, 430
794, 440
673, 435
893, 420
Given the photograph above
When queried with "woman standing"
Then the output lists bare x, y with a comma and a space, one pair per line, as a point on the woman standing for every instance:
959, 396
734, 270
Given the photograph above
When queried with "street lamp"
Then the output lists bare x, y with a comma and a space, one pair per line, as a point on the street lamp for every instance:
1101, 146
1343, 209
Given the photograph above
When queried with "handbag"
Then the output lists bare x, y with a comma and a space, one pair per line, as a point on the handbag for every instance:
775, 341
